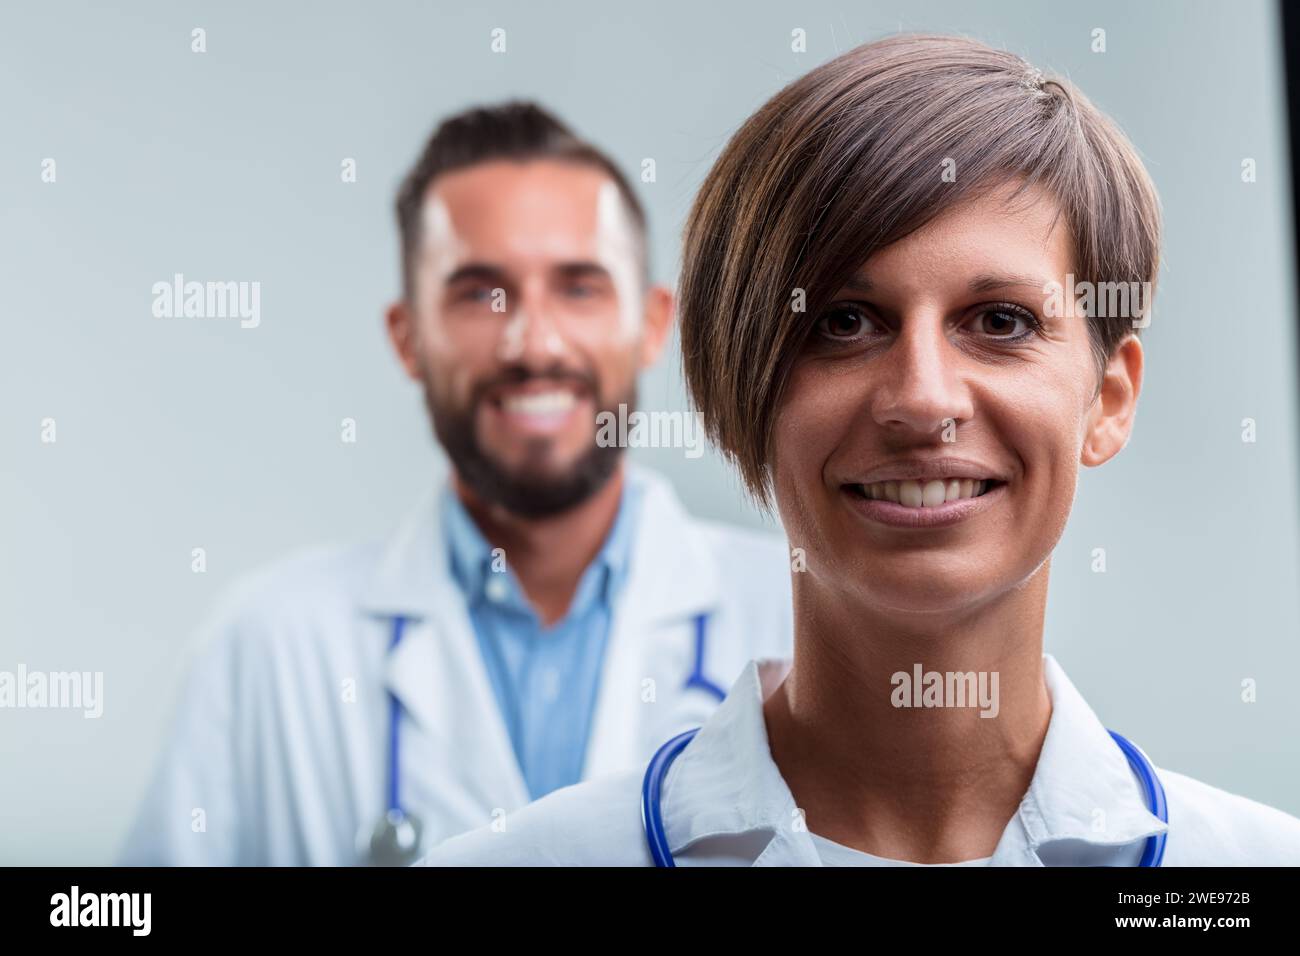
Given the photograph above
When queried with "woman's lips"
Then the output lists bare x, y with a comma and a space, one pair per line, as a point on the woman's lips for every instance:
939, 516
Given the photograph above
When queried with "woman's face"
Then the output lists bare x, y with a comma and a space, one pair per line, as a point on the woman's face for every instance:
937, 368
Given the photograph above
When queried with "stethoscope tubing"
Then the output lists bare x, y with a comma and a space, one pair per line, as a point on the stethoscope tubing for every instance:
652, 786
696, 679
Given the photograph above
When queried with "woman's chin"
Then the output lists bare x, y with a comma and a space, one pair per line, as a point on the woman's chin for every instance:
946, 596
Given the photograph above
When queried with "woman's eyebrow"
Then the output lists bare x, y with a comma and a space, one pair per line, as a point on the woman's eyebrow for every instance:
984, 282
989, 281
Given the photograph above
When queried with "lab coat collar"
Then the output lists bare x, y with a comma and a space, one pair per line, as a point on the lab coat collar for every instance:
671, 571
670, 574
1083, 788
411, 566
726, 782
731, 785
669, 565
413, 580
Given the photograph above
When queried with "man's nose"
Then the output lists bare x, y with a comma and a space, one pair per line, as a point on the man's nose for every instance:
920, 385
533, 332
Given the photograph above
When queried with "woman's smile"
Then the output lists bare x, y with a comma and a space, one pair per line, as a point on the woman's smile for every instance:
931, 504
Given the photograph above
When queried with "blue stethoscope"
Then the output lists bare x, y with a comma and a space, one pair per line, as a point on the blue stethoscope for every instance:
396, 838
652, 816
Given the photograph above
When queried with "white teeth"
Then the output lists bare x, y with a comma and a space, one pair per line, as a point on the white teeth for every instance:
930, 494
933, 493
539, 403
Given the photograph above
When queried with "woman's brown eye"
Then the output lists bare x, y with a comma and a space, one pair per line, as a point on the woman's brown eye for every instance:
840, 323
1004, 322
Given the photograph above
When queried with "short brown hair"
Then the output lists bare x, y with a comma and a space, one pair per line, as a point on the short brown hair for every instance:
518, 131
845, 161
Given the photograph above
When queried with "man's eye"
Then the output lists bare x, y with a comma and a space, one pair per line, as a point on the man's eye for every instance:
472, 293
841, 322
586, 289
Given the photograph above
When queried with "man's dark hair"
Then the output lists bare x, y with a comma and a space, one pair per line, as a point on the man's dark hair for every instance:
518, 131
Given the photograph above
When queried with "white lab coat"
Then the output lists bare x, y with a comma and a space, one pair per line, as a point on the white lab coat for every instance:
278, 751
725, 803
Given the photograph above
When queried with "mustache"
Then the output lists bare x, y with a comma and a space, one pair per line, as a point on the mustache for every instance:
519, 375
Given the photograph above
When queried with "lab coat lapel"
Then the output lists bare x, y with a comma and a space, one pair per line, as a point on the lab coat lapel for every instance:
1082, 789
436, 672
726, 782
671, 578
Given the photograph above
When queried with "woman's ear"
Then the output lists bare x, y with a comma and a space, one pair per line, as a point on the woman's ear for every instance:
1110, 420
657, 322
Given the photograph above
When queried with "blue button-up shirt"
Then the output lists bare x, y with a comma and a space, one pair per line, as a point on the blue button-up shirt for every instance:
544, 678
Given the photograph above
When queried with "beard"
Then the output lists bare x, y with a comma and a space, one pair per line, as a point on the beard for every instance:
532, 489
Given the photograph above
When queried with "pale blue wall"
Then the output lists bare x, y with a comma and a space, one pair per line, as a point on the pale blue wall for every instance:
226, 165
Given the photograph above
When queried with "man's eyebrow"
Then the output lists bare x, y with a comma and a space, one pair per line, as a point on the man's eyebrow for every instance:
585, 267
985, 282
486, 272
480, 271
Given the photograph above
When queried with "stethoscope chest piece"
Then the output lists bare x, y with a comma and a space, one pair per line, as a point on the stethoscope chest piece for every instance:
396, 839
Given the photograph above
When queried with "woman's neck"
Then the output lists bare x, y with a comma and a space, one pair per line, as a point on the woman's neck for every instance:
906, 772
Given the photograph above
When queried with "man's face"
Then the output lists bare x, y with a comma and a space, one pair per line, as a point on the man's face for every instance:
528, 317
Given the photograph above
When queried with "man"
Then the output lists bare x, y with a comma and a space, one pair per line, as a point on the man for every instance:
551, 614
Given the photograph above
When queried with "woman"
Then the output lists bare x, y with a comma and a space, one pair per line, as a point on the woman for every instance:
876, 328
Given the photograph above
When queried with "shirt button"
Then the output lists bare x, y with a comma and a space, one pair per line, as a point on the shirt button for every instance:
497, 588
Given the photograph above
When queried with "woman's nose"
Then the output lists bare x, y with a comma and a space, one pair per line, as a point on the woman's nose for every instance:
918, 382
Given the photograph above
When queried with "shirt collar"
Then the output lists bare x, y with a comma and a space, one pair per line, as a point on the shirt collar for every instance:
671, 566
471, 558
726, 782
1082, 788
